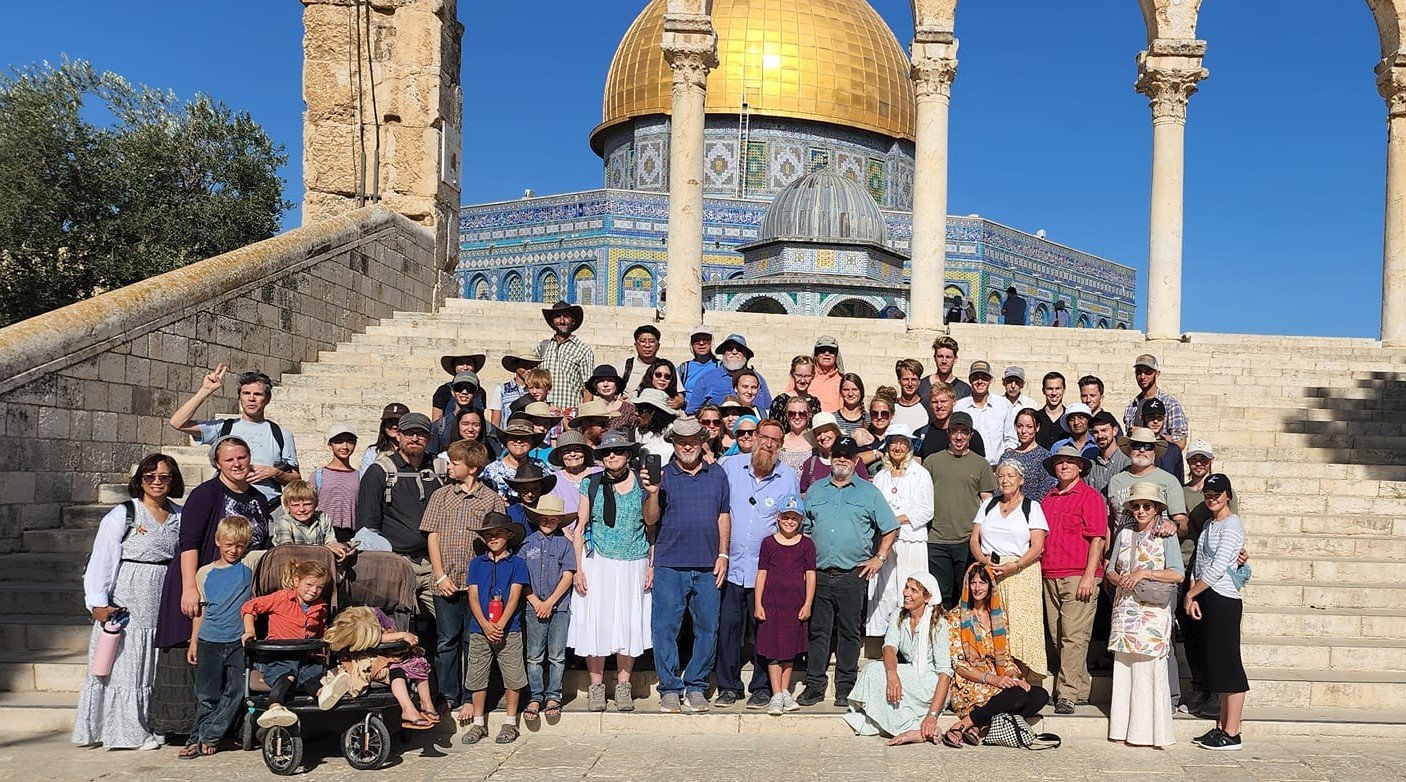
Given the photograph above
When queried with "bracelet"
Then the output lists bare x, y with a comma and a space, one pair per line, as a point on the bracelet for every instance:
983, 677
724, 556
441, 578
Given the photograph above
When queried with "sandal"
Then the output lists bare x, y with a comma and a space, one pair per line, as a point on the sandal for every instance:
532, 712
474, 734
972, 736
419, 723
189, 752
953, 737
507, 734
553, 710
209, 749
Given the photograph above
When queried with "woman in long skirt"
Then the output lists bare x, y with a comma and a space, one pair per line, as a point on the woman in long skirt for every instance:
907, 488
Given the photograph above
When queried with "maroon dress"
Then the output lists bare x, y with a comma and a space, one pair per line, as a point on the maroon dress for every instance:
782, 636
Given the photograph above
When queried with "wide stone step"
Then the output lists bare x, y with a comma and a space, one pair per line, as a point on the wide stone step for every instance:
1270, 524
1326, 572
1327, 594
1359, 624
36, 567
1302, 653
43, 671
63, 633
30, 713
57, 540
57, 598
1366, 547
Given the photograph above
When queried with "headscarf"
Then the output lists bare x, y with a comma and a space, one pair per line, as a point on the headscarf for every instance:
973, 636
923, 654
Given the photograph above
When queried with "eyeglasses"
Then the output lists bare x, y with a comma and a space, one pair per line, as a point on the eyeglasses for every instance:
418, 434
1143, 446
157, 478
1142, 506
881, 414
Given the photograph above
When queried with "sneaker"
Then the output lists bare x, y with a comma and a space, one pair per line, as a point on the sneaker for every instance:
1222, 742
333, 688
810, 697
277, 716
624, 697
1064, 706
726, 698
759, 700
1207, 736
776, 706
151, 744
595, 697
842, 701
788, 702
695, 703
669, 703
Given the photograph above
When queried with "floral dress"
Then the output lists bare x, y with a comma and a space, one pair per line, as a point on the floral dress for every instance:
1139, 628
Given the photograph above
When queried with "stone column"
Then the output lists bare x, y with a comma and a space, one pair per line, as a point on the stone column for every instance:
1391, 82
384, 109
691, 49
1167, 75
934, 69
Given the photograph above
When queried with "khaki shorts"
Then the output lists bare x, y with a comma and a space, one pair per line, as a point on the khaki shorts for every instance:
509, 657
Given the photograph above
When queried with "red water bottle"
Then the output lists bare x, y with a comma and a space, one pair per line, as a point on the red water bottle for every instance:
495, 609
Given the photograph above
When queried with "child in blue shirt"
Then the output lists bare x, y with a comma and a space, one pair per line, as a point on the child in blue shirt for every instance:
216, 637
496, 580
551, 562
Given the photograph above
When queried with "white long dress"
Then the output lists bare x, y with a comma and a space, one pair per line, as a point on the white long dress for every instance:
908, 495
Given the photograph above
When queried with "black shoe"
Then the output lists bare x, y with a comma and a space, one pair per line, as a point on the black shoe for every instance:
1207, 736
809, 697
842, 701
1222, 742
759, 700
1063, 706
726, 698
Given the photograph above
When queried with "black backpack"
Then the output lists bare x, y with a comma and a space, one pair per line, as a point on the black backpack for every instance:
227, 426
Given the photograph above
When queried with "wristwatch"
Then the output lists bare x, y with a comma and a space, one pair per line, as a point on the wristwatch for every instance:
934, 714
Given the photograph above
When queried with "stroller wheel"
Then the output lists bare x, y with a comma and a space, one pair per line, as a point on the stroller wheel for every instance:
366, 744
283, 750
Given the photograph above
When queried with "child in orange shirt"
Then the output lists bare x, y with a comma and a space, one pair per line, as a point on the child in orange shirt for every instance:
298, 611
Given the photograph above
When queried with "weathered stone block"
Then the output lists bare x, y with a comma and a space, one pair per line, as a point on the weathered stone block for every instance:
112, 368
17, 487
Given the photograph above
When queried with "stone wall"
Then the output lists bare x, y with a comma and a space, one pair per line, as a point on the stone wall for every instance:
86, 390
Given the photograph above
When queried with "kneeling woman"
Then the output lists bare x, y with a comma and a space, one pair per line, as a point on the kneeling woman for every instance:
902, 695
988, 680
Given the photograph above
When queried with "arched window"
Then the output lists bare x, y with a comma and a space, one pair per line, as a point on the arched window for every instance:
1103, 323
764, 305
637, 288
479, 289
1041, 316
1084, 321
585, 283
513, 288
853, 308
549, 287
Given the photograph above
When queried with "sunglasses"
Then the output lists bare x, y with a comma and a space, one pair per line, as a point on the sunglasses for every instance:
157, 478
881, 414
711, 421
746, 432
1142, 506
1143, 446
617, 451
797, 413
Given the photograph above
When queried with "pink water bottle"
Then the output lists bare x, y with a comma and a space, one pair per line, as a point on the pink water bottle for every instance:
108, 643
495, 609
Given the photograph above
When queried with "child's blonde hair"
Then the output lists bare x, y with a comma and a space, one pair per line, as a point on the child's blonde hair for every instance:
539, 378
296, 571
298, 491
470, 453
235, 529
355, 629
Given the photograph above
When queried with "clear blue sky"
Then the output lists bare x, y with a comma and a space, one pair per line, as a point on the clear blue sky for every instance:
1285, 143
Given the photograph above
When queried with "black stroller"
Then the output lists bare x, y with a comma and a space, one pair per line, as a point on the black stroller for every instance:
373, 579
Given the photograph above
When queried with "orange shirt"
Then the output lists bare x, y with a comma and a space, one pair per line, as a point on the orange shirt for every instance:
826, 388
287, 619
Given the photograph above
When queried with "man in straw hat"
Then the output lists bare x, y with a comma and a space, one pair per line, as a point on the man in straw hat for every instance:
565, 356
1072, 567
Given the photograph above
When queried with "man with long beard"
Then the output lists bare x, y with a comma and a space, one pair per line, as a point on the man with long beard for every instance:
844, 516
756, 483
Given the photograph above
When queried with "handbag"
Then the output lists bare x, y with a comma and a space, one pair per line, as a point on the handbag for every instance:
1155, 593
1011, 730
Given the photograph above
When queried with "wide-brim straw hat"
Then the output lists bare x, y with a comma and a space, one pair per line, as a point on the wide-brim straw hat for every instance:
549, 506
1068, 452
1145, 491
1141, 434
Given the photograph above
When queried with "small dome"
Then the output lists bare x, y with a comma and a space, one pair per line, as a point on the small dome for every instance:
822, 206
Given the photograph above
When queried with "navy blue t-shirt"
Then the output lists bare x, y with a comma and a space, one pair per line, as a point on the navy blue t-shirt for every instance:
689, 506
497, 578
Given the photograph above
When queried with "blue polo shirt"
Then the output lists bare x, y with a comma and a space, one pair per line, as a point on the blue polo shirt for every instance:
753, 510
844, 520
497, 578
689, 506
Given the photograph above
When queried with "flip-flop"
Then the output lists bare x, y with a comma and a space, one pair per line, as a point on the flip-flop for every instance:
533, 711
189, 752
431, 715
553, 710
416, 724
952, 738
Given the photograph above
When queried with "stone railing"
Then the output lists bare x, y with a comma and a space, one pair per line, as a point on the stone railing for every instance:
86, 390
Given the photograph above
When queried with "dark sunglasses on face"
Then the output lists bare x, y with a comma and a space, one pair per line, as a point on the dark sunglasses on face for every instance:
746, 432
1142, 506
1144, 446
710, 421
880, 414
617, 452
156, 478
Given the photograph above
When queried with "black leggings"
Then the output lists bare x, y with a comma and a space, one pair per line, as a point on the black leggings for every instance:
280, 689
1012, 700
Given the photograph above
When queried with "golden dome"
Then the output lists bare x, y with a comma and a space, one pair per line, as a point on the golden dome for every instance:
826, 60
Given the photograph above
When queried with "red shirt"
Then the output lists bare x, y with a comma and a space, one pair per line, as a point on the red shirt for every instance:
1075, 518
287, 619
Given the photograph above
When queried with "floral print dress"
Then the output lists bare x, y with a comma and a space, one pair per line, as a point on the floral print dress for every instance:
1139, 628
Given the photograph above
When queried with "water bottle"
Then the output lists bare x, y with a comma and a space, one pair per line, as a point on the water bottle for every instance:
108, 643
495, 609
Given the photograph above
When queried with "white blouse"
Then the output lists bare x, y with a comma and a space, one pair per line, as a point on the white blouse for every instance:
1008, 536
908, 495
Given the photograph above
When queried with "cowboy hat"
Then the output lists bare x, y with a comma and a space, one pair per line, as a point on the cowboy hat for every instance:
1145, 491
656, 399
616, 439
594, 412
529, 473
520, 427
474, 360
549, 506
1066, 452
539, 410
568, 440
1141, 434
493, 521
511, 361
574, 310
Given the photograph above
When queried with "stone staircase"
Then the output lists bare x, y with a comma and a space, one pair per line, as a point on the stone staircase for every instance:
1312, 431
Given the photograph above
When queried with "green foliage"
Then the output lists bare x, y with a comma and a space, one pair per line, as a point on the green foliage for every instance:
103, 184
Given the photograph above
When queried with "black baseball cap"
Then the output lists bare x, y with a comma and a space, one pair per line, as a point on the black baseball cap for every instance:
1153, 407
845, 446
1217, 482
960, 417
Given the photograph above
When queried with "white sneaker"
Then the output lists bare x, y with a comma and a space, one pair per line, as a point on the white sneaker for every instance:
789, 702
277, 716
776, 706
151, 744
333, 688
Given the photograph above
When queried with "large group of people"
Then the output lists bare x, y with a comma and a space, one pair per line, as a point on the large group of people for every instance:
1000, 547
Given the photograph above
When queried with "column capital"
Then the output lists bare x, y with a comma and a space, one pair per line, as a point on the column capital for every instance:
691, 48
934, 66
1391, 84
1169, 82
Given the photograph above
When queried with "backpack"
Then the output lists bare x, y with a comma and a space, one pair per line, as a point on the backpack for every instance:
227, 426
394, 474
1024, 506
130, 506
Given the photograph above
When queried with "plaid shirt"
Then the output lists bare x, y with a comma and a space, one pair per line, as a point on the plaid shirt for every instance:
1176, 427
285, 530
570, 363
504, 396
456, 515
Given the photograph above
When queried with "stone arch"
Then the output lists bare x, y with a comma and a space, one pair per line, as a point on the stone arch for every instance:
1170, 19
853, 308
1040, 316
583, 285
513, 288
548, 287
1084, 322
1103, 323
1390, 16
762, 304
479, 288
637, 287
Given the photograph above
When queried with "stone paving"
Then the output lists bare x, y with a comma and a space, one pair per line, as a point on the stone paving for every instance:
740, 758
